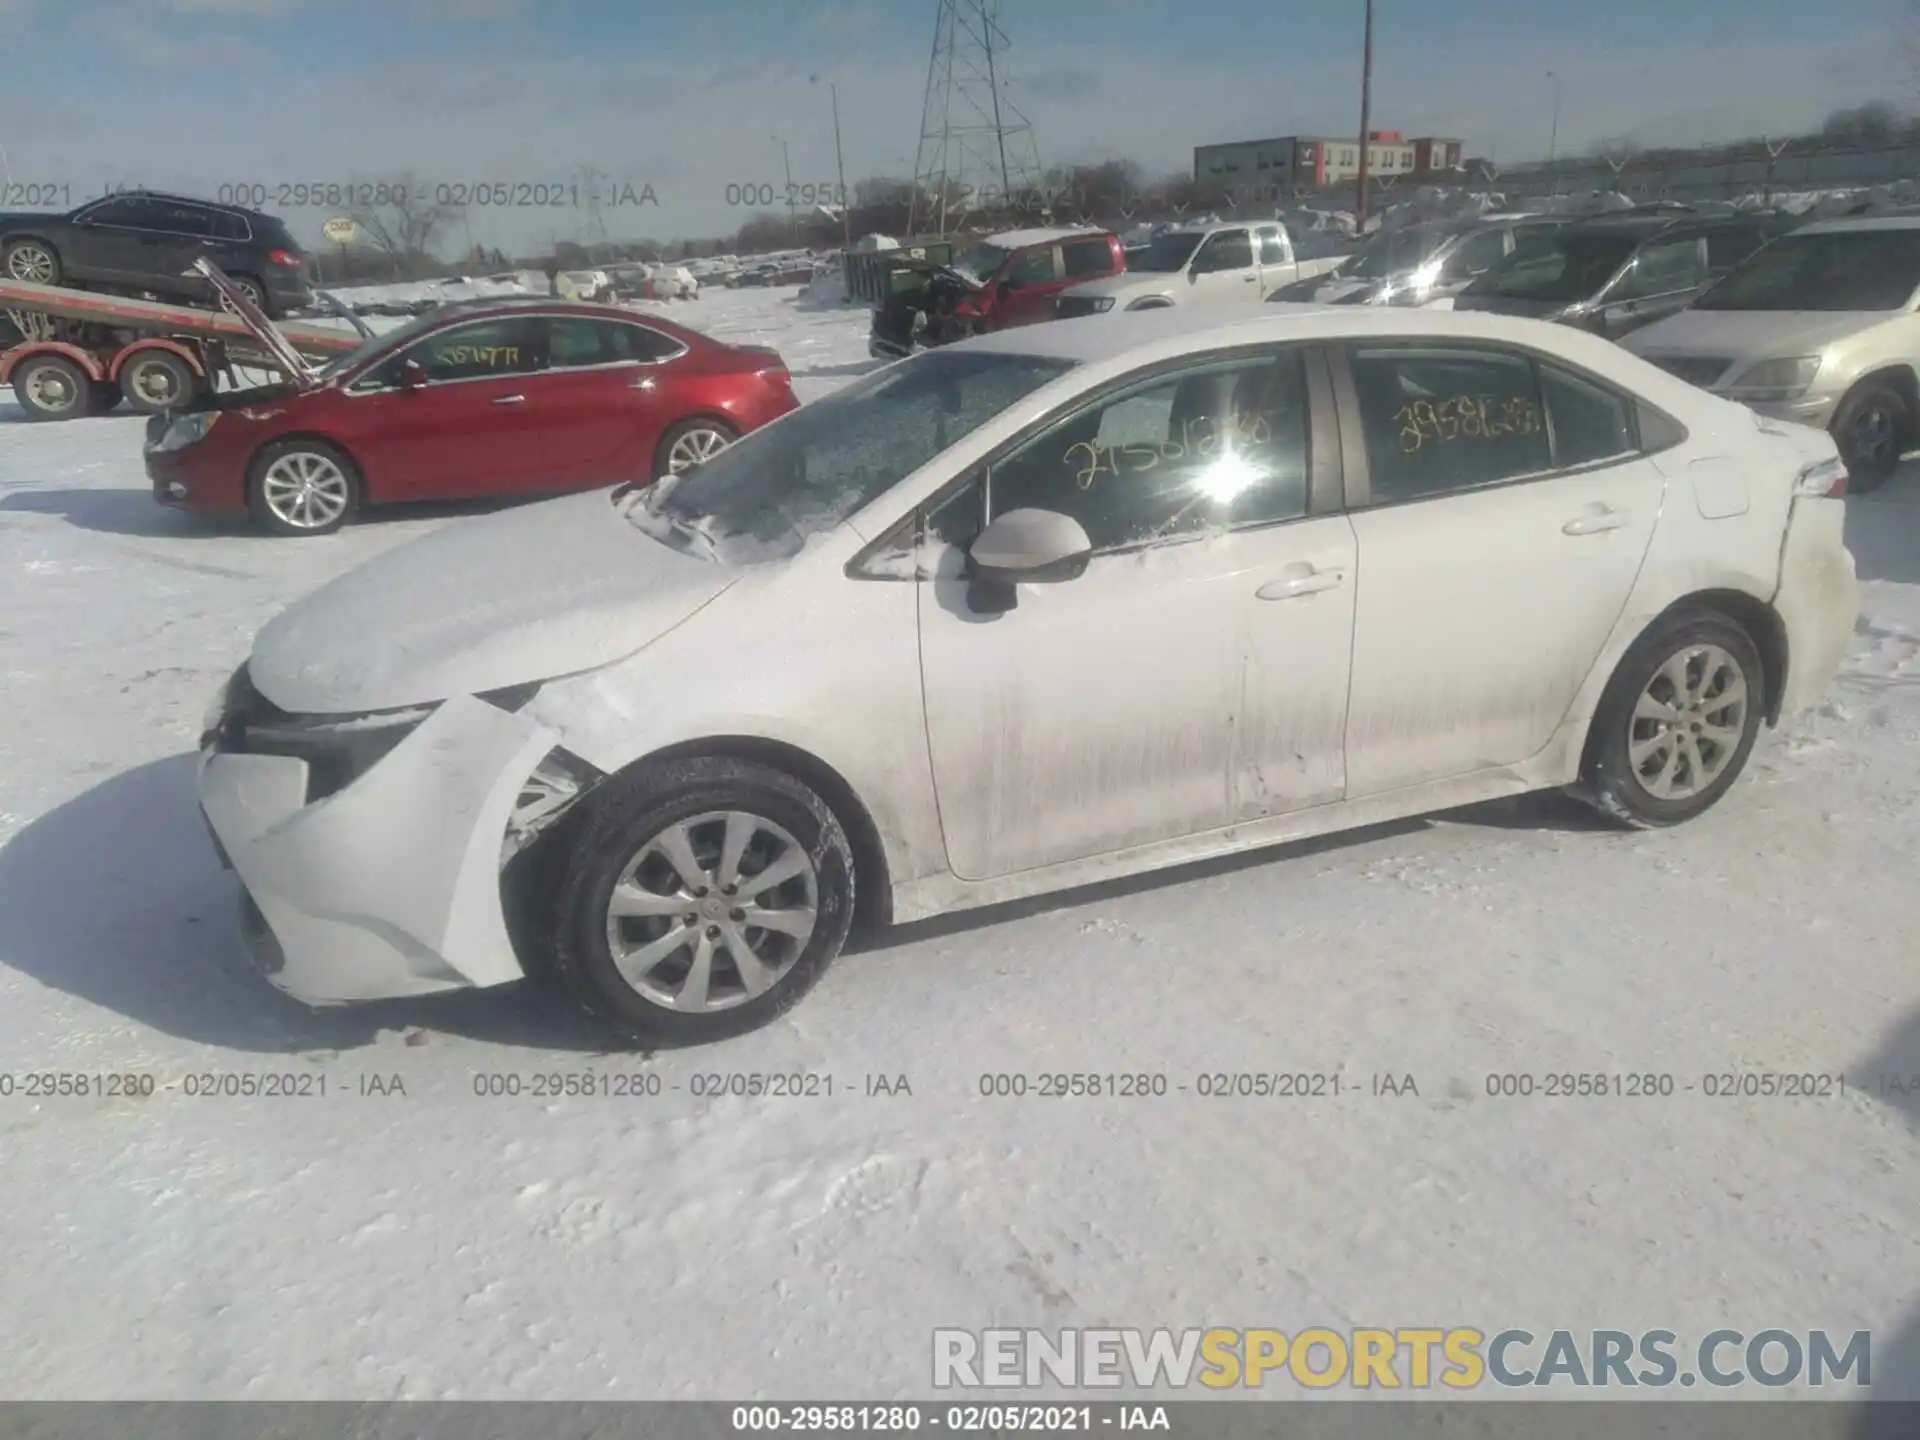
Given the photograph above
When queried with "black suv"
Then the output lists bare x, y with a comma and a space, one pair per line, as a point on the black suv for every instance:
1615, 274
141, 242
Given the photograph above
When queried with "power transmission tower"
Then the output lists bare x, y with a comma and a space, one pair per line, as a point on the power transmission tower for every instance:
974, 142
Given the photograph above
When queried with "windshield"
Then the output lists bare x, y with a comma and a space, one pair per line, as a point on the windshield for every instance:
382, 344
981, 261
1840, 270
1392, 252
1559, 268
762, 497
1167, 253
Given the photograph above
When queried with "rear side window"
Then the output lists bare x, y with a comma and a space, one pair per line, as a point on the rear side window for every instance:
575, 342
1440, 420
1590, 423
1087, 257
178, 219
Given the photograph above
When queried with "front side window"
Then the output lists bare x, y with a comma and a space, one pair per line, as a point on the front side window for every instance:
1228, 250
1838, 270
981, 261
1033, 267
483, 350
1476, 254
1556, 269
1213, 447
1663, 269
1439, 419
127, 214
763, 496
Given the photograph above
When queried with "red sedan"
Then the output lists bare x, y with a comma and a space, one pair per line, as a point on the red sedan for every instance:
516, 397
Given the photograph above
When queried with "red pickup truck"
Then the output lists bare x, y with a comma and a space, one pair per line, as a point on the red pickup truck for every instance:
996, 283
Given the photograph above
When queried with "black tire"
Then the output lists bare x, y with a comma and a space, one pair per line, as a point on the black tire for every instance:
22, 247
106, 397
156, 380
253, 290
1609, 779
620, 820
1873, 427
51, 387
264, 513
663, 452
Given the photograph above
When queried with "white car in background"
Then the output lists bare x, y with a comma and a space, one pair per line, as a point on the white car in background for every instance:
1821, 327
1056, 605
1196, 265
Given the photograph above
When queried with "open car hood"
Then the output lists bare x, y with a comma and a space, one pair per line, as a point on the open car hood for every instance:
298, 372
531, 594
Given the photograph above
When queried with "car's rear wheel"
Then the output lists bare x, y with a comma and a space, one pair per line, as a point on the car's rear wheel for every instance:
253, 290
1677, 721
1872, 427
702, 898
691, 443
156, 380
51, 387
33, 261
303, 487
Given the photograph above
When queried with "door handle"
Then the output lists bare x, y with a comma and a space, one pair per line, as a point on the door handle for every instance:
511, 400
1596, 522
1309, 584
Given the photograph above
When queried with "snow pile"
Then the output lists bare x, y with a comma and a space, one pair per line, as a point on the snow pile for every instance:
826, 291
414, 296
869, 243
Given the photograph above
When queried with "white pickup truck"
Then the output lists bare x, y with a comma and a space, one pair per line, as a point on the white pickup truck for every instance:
1205, 265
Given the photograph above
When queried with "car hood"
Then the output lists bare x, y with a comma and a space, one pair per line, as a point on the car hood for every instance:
1749, 334
529, 594
1510, 305
1129, 285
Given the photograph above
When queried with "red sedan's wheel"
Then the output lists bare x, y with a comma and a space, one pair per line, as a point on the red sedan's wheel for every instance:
691, 443
302, 487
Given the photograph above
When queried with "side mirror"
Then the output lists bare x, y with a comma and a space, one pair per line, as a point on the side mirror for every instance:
1024, 547
412, 375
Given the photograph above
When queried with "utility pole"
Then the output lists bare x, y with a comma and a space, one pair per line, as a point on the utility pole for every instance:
1366, 120
840, 164
1553, 135
793, 220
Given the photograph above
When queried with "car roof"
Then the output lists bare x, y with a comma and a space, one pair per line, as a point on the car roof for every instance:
1106, 337
1645, 227
138, 193
1015, 239
485, 307
1852, 223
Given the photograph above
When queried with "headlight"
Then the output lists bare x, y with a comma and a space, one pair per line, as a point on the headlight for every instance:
1775, 379
188, 430
1100, 304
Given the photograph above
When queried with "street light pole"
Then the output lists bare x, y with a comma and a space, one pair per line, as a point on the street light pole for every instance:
1366, 120
1553, 135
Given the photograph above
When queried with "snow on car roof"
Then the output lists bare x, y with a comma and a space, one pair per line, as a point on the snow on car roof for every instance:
1014, 239
1850, 223
1105, 337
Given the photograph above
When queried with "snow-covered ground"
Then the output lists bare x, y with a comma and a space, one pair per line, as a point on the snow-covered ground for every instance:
440, 1244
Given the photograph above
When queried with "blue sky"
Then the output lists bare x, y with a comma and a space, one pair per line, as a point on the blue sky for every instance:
690, 98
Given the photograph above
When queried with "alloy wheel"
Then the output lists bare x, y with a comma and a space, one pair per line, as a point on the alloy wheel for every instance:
1687, 723
31, 263
694, 448
712, 912
1876, 436
307, 491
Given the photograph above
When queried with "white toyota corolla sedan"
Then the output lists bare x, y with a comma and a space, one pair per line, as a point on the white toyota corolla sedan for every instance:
1048, 607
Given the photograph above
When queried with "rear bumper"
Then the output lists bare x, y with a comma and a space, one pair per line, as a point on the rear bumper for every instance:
390, 887
1818, 600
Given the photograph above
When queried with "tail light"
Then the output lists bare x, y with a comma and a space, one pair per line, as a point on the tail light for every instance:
286, 258
1827, 479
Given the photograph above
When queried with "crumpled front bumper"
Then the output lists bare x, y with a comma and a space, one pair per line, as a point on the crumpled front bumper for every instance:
391, 886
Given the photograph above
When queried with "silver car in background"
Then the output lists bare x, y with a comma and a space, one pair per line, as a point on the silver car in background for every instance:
1419, 264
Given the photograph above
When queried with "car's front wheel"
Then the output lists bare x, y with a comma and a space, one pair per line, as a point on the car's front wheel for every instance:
302, 487
1677, 720
1873, 427
701, 899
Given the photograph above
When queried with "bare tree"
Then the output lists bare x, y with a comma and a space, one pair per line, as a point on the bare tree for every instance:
406, 225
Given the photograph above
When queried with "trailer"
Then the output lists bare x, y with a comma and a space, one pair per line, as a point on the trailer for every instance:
81, 352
